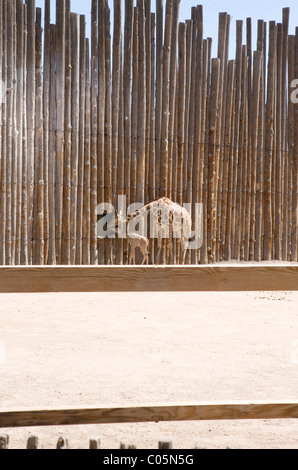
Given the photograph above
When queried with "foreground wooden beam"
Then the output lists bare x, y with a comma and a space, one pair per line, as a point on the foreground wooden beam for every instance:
149, 278
150, 413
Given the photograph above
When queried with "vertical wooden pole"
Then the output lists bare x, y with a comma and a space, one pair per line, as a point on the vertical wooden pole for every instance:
158, 104
65, 248
4, 138
134, 109
141, 105
279, 159
239, 32
75, 80
19, 117
260, 151
46, 123
39, 214
227, 152
24, 216
212, 157
116, 77
88, 185
81, 159
294, 235
60, 88
268, 222
284, 137
127, 87
100, 163
52, 152
257, 71
291, 139
9, 134
108, 126
14, 161
198, 166
165, 100
30, 115
181, 109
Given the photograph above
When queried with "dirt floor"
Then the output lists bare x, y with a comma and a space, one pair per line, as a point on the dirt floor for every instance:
121, 349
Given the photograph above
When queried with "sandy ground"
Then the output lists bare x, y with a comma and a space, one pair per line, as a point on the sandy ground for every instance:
97, 349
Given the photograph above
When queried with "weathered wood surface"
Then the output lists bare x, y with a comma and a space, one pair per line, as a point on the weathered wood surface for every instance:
150, 413
148, 278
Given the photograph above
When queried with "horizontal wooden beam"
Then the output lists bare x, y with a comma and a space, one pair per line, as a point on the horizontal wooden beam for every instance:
149, 278
149, 413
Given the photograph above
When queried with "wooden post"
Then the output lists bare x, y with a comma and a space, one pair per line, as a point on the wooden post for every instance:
30, 116
75, 104
158, 104
39, 165
257, 71
99, 163
46, 122
141, 132
66, 233
291, 139
81, 159
52, 152
212, 157
90, 177
108, 127
279, 159
116, 79
134, 108
269, 141
19, 118
60, 89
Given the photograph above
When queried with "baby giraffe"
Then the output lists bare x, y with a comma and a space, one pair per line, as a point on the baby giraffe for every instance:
134, 241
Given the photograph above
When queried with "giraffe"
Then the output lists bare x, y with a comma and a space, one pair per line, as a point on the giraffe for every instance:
168, 219
135, 241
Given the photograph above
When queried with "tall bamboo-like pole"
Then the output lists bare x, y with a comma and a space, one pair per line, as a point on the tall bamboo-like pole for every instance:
260, 152
158, 105
14, 162
89, 186
116, 78
81, 160
75, 80
291, 138
46, 123
212, 159
99, 165
127, 78
165, 100
134, 108
294, 234
39, 215
279, 159
24, 213
65, 248
52, 152
30, 115
9, 134
268, 222
284, 135
95, 131
257, 74
19, 117
226, 171
141, 132
108, 127
3, 139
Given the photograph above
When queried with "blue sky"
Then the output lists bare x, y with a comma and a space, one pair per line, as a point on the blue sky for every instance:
266, 10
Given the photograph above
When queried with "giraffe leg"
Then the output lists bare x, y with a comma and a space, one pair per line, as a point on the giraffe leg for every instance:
159, 246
